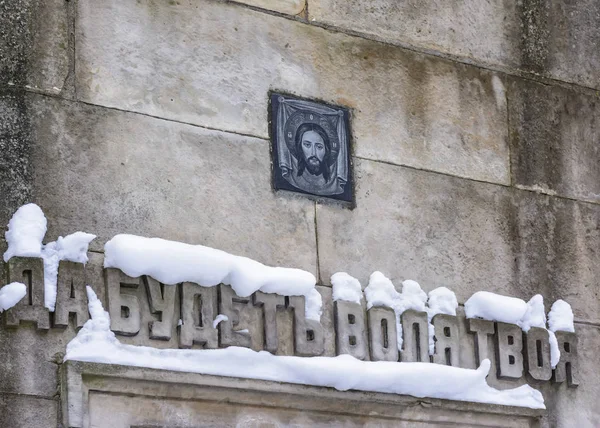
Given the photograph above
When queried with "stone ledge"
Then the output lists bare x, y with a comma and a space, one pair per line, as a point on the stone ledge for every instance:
85, 384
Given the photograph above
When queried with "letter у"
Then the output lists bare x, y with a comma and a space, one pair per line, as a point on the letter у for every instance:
161, 301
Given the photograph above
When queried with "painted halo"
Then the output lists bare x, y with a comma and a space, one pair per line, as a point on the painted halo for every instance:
301, 117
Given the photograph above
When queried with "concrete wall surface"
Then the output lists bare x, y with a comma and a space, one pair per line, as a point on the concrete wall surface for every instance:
475, 134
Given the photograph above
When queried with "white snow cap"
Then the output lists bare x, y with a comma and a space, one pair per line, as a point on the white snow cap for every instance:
72, 247
561, 317
414, 297
381, 292
313, 305
441, 301
346, 288
495, 307
218, 319
96, 343
11, 294
173, 262
554, 349
535, 315
26, 230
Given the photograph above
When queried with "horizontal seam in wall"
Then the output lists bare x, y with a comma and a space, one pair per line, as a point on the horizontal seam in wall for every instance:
195, 125
516, 187
208, 128
428, 52
37, 397
588, 323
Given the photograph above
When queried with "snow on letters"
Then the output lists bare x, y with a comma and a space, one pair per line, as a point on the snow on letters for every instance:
73, 248
96, 343
346, 288
173, 262
26, 231
495, 307
381, 292
561, 317
11, 294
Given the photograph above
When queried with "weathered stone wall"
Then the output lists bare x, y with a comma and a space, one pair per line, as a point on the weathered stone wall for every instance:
475, 132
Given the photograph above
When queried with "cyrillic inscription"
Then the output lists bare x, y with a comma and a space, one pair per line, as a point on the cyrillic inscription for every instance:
262, 321
309, 339
482, 329
270, 304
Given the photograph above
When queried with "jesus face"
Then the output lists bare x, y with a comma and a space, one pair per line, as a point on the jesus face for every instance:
313, 148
